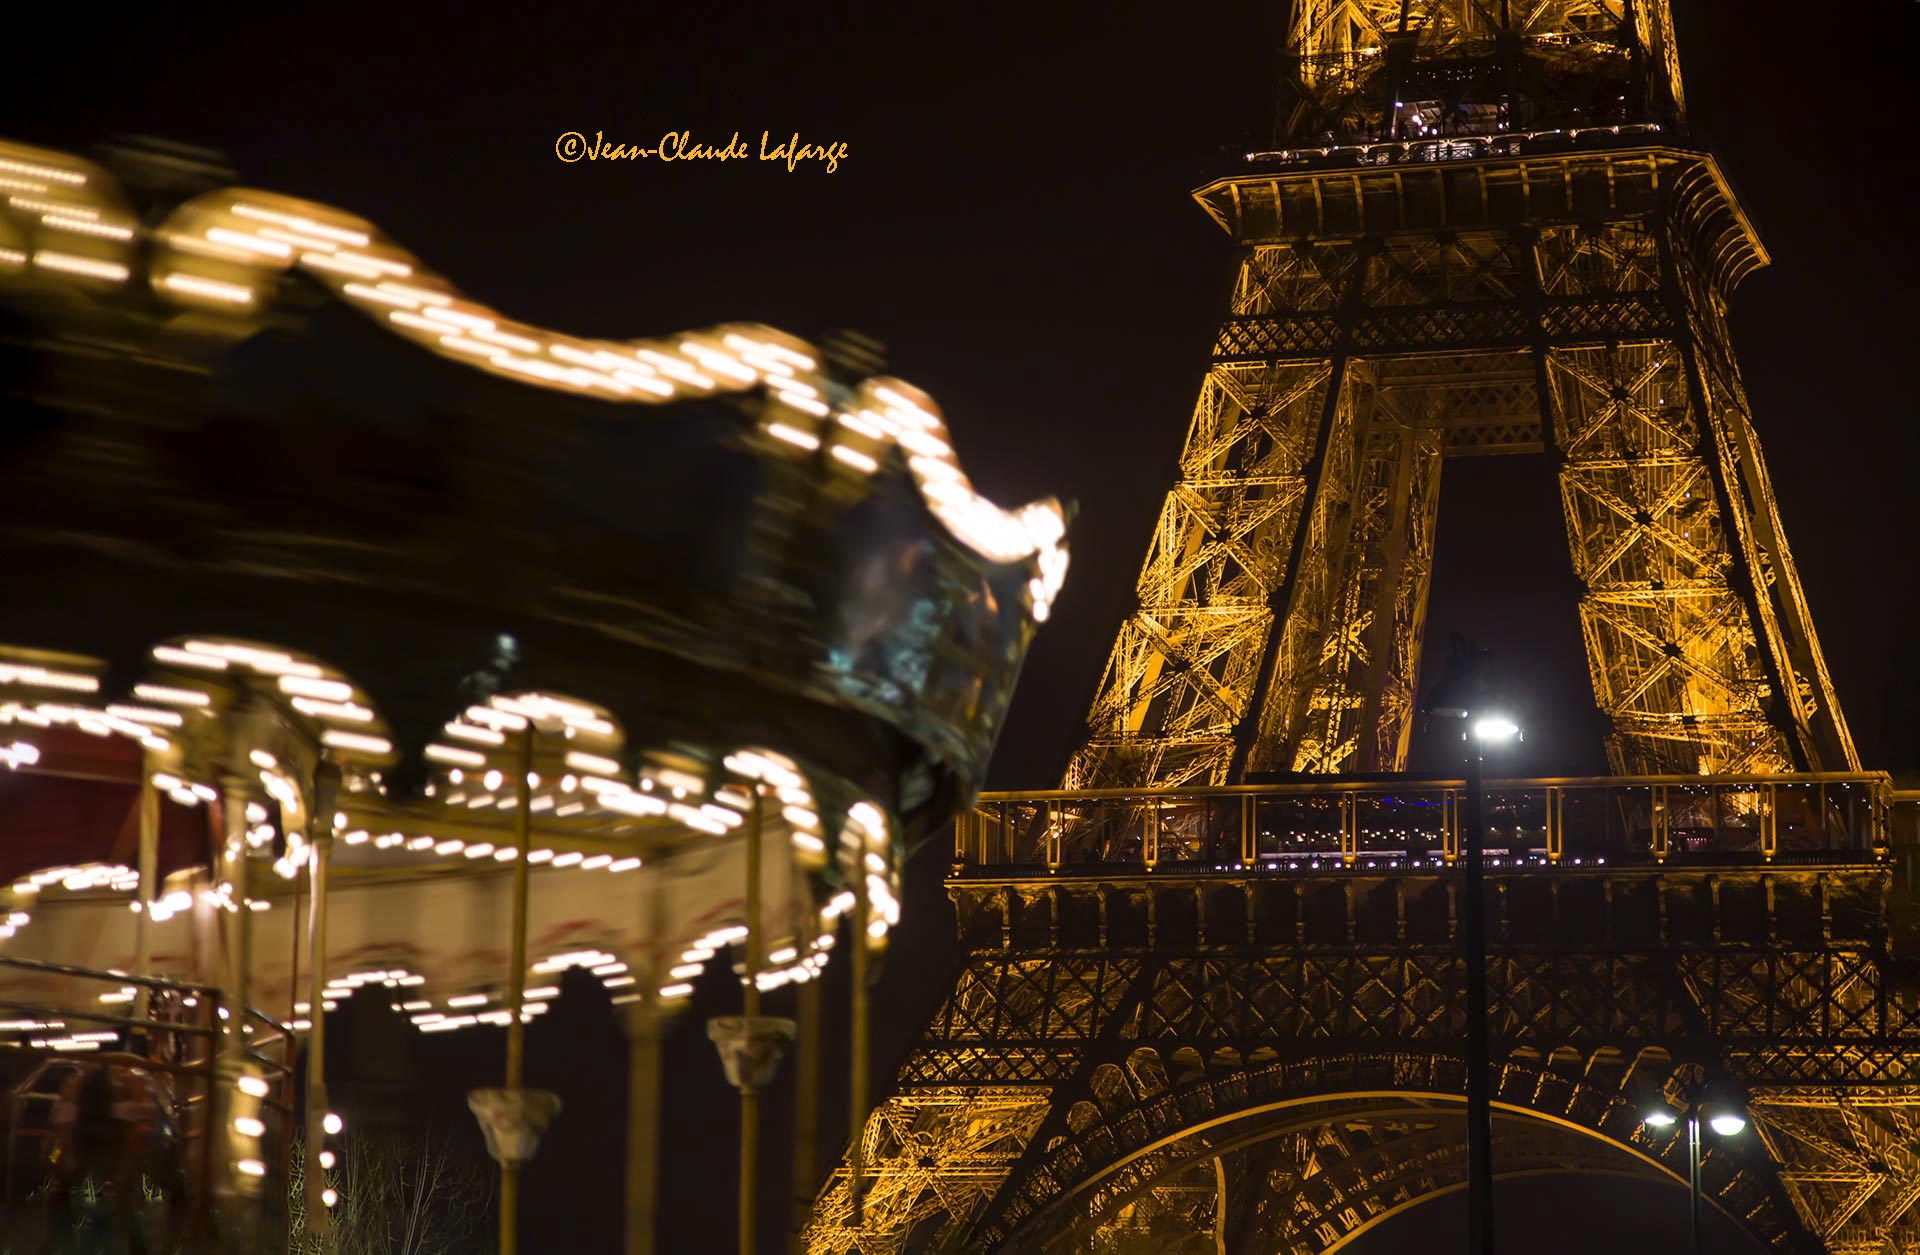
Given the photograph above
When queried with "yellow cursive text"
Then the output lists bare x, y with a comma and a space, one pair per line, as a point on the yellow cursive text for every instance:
681, 146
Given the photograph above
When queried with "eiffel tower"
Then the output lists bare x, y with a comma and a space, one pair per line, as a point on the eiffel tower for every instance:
1201, 1012
1486, 237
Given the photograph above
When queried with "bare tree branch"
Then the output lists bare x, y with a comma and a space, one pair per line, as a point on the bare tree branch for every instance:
397, 1196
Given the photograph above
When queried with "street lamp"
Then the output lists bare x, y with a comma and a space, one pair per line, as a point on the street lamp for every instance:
1494, 729
1483, 730
1722, 1117
1464, 694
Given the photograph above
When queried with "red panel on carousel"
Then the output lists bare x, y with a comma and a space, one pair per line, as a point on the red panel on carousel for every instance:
80, 804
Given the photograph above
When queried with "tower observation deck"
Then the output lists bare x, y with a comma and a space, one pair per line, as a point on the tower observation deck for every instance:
1367, 72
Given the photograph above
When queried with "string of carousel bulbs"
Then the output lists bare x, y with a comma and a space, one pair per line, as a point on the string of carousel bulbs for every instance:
328, 699
223, 249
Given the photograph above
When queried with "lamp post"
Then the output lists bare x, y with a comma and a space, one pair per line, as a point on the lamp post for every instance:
1463, 693
1723, 1118
1482, 731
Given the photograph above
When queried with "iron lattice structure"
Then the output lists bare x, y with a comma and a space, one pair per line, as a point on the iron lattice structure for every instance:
1284, 593
1369, 70
1444, 283
1485, 233
1250, 1064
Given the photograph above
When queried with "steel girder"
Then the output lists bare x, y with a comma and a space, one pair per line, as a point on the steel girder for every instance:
1240, 1069
1851, 1166
1206, 1080
1283, 598
1347, 55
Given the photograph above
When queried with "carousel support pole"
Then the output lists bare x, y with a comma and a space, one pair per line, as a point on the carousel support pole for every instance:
806, 1110
293, 956
513, 1117
149, 860
237, 926
517, 989
857, 1083
326, 786
645, 1024
293, 1000
750, 1044
750, 1007
643, 1122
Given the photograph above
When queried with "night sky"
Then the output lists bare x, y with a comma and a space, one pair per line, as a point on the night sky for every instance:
1012, 220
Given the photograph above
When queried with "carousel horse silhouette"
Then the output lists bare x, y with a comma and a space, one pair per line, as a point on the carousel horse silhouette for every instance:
111, 1130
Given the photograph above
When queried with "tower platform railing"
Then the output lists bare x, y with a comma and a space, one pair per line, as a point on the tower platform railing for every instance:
1463, 143
1346, 825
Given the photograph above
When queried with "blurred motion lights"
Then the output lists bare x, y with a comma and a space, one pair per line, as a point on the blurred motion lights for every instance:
223, 251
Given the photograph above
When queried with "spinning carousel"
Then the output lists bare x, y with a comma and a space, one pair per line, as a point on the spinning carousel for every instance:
358, 635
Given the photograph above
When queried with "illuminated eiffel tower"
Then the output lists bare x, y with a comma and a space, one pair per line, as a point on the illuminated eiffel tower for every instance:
1197, 1016
1484, 236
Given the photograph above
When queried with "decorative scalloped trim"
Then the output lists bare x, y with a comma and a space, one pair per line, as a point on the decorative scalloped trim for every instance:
40, 690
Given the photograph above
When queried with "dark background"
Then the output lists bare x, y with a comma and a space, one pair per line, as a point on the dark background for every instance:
1012, 220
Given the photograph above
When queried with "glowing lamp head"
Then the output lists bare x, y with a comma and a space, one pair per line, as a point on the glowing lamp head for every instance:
1659, 1119
333, 1124
1727, 1123
1494, 729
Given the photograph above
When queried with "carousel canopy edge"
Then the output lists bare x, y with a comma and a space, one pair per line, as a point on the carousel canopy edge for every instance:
66, 221
875, 621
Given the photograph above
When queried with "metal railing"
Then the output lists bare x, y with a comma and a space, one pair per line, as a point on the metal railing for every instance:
167, 1031
1343, 825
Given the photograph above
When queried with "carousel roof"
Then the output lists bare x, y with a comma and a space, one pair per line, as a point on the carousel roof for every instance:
273, 495
234, 416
